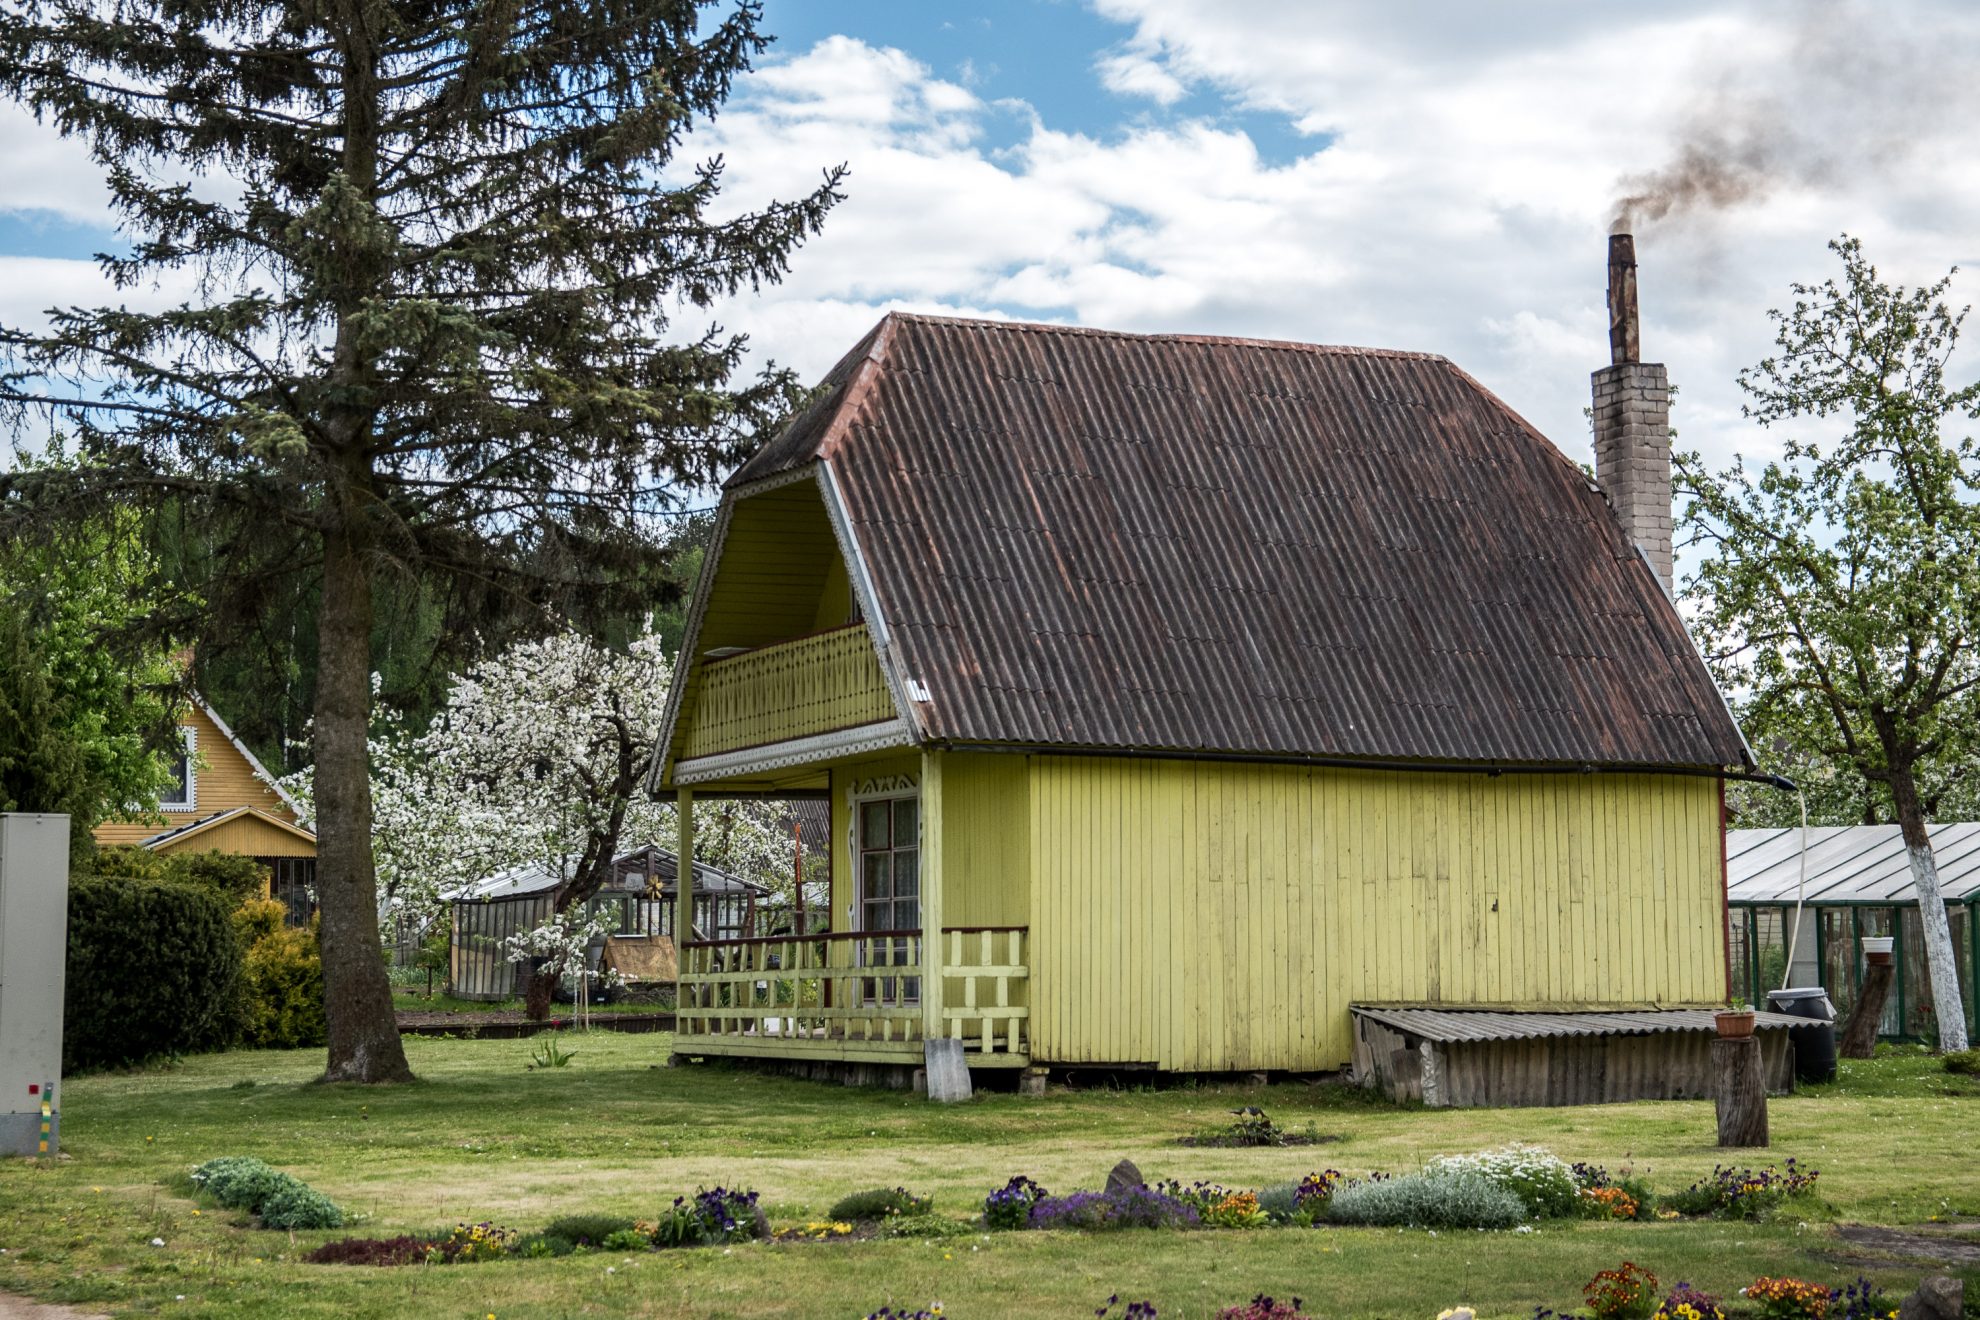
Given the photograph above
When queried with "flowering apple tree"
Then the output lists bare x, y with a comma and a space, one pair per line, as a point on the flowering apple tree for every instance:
538, 759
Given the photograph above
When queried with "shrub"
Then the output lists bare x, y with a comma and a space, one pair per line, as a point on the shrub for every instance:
1452, 1198
587, 1230
239, 1182
242, 1182
1628, 1292
1280, 1202
720, 1215
1010, 1205
1788, 1299
373, 1251
1134, 1207
283, 1006
881, 1203
1743, 1193
1685, 1302
153, 969
627, 1239
295, 1204
1964, 1062
1544, 1183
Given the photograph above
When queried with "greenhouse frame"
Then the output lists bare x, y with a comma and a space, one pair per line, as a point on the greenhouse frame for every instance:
1858, 885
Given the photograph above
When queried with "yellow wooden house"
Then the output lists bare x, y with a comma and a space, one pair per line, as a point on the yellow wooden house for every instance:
1173, 694
223, 799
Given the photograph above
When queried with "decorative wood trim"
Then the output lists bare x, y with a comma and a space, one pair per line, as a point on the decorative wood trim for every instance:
797, 751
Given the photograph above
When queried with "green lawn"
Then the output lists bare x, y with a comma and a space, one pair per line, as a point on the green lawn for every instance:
479, 1137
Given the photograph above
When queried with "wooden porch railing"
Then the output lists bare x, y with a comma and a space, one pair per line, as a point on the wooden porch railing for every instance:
862, 988
989, 962
816, 684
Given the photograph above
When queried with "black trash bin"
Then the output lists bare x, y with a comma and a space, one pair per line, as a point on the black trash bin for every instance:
1814, 1044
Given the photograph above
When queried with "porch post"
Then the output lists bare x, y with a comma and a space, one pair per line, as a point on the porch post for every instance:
932, 1025
683, 898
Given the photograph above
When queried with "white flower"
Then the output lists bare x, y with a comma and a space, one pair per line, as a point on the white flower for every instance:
611, 1269
158, 1242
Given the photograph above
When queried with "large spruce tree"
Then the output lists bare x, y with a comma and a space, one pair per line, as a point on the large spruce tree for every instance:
439, 247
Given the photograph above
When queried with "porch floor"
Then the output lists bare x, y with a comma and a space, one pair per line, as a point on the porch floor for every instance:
773, 1041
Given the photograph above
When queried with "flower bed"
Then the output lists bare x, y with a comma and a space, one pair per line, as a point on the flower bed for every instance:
1507, 1188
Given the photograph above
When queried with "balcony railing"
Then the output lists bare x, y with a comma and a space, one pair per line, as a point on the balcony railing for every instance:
854, 994
817, 684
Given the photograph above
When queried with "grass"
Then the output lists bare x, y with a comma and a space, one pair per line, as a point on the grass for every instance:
414, 1001
479, 1137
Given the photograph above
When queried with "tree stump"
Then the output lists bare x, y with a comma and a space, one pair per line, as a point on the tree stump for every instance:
1740, 1092
1859, 1038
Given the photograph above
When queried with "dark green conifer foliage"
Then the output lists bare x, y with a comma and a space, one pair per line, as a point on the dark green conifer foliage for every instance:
440, 246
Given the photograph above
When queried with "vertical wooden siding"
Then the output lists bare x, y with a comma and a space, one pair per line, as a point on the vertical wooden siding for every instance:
1201, 915
986, 827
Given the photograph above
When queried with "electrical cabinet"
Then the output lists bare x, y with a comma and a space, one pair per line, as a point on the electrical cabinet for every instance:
34, 945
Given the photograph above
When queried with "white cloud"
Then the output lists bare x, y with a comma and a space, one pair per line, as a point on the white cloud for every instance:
1134, 73
46, 172
1457, 205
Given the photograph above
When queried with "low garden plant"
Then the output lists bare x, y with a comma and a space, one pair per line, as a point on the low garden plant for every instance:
1263, 1307
1966, 1063
1729, 1193
1628, 1292
1132, 1207
1685, 1302
1009, 1207
881, 1203
1788, 1299
711, 1217
279, 1200
1544, 1183
1446, 1198
1252, 1126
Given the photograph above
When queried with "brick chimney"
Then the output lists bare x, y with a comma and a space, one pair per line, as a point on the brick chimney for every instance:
1633, 422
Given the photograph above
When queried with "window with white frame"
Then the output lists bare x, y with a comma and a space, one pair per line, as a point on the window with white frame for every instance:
181, 794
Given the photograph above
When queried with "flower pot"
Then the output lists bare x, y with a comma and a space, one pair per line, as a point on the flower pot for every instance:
1877, 949
1734, 1023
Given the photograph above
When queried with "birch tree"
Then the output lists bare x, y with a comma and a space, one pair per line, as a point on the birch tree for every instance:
1840, 588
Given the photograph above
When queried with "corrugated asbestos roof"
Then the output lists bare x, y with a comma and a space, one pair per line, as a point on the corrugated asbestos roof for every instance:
1087, 539
1449, 1025
629, 870
1848, 864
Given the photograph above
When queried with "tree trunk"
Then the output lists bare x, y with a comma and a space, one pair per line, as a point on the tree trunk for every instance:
1940, 964
357, 997
1739, 1092
1859, 1038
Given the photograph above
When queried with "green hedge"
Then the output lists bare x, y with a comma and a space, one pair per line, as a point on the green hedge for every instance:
154, 968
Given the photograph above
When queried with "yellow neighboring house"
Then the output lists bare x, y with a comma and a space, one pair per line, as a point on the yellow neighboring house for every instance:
226, 801
1176, 698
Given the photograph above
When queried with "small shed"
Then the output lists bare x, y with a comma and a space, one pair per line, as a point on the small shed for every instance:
638, 905
1858, 885
1470, 1057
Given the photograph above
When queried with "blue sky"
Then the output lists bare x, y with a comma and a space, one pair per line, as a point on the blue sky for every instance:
1437, 176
